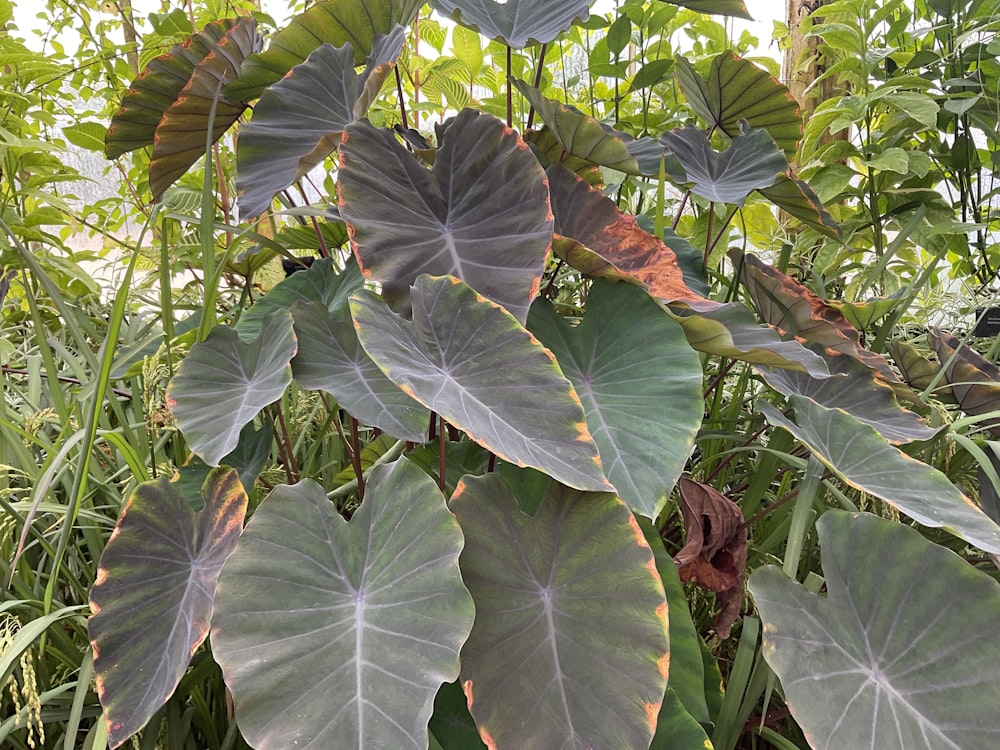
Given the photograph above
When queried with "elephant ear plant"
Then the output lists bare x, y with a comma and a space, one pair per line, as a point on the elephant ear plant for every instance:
521, 370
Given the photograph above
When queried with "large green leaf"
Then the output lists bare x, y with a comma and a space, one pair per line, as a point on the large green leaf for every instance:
640, 384
481, 214
687, 671
333, 21
181, 134
855, 390
974, 380
569, 648
516, 23
587, 138
456, 357
752, 161
608, 242
321, 283
354, 625
732, 331
331, 359
736, 8
152, 602
223, 383
157, 88
863, 459
789, 306
299, 120
795, 197
737, 90
902, 651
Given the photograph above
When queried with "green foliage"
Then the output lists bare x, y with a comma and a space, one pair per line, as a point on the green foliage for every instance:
535, 356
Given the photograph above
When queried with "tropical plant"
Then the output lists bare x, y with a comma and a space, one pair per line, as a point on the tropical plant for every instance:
537, 408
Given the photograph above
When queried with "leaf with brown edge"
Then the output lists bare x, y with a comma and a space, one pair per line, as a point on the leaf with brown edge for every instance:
738, 90
918, 371
181, 134
789, 306
715, 553
584, 215
795, 197
157, 88
155, 593
974, 380
549, 151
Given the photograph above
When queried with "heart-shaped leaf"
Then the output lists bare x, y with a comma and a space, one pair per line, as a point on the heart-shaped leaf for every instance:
863, 459
328, 21
330, 358
322, 283
357, 625
788, 305
918, 371
200, 106
157, 88
569, 648
152, 603
736, 8
584, 215
640, 384
732, 331
223, 383
517, 23
299, 120
687, 672
587, 138
481, 214
974, 380
902, 651
752, 161
737, 90
855, 390
455, 357
795, 197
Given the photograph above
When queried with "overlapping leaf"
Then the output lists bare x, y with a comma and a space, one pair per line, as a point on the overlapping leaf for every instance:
736, 90
200, 106
299, 120
355, 625
863, 459
918, 371
687, 672
329, 21
157, 88
456, 357
640, 384
732, 331
753, 161
517, 23
152, 603
854, 389
789, 306
549, 151
331, 359
569, 648
481, 214
594, 222
223, 383
321, 283
795, 197
975, 381
902, 651
736, 8
589, 139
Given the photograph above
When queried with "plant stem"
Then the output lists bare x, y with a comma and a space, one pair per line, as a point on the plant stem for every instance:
538, 83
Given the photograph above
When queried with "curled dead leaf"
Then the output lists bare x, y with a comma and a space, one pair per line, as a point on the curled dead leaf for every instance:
715, 554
